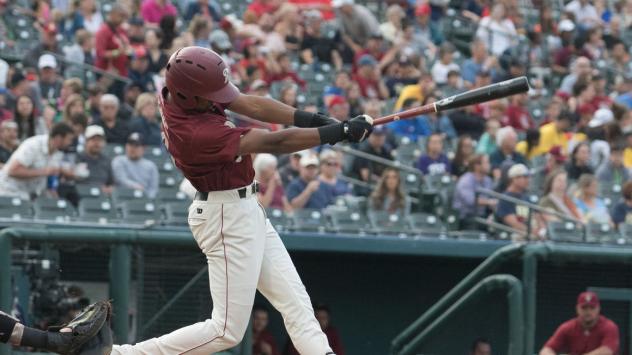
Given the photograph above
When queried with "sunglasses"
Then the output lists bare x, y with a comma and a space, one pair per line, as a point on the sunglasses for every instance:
331, 163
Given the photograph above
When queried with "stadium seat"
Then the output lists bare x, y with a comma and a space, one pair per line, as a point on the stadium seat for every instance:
52, 209
176, 213
407, 154
390, 223
15, 208
121, 194
352, 222
625, 231
426, 224
601, 233
280, 220
171, 194
140, 211
89, 191
112, 150
165, 166
97, 210
170, 180
310, 220
156, 154
565, 232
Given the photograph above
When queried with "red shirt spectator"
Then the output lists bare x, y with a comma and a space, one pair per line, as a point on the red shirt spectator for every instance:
263, 342
111, 43
324, 6
153, 10
260, 7
517, 115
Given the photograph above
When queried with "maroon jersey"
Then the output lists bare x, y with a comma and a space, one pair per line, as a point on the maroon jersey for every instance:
204, 147
572, 339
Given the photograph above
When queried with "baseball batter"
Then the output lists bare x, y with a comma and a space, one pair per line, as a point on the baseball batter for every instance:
243, 251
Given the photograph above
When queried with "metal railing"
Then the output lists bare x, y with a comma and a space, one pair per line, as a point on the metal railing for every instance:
89, 68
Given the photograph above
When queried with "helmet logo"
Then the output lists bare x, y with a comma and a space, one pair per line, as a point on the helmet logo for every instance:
225, 73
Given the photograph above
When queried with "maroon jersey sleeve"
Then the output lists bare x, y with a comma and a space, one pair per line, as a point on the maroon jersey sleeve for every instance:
559, 341
217, 143
611, 336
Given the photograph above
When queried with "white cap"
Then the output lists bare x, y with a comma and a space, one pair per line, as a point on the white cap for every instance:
94, 130
47, 61
308, 160
601, 117
566, 25
339, 3
518, 170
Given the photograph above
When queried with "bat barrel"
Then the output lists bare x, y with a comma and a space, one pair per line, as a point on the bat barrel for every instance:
484, 94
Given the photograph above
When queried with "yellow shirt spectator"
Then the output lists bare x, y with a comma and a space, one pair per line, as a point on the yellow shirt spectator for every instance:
627, 157
409, 92
521, 148
550, 137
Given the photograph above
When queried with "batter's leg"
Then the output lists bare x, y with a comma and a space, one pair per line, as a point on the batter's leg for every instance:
232, 236
280, 283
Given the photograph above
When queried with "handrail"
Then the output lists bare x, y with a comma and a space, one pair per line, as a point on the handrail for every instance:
89, 67
361, 183
487, 267
390, 163
499, 226
509, 283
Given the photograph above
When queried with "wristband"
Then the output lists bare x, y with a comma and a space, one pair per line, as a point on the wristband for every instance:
332, 134
303, 119
7, 324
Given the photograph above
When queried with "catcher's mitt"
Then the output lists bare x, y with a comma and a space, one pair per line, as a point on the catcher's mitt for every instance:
82, 329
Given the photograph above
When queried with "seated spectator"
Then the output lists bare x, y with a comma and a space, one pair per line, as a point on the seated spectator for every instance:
509, 213
622, 211
579, 68
153, 11
444, 65
487, 143
338, 108
315, 46
454, 85
530, 147
271, 192
369, 79
554, 160
263, 342
368, 170
98, 165
592, 208
391, 29
156, 56
580, 162
389, 196
425, 86
116, 130
434, 162
8, 140
588, 333
323, 315
464, 152
146, 122
506, 138
357, 23
205, 8
281, 70
132, 171
330, 167
437, 122
613, 172
340, 87
288, 94
49, 80
556, 197
481, 346
518, 115
464, 200
290, 170
139, 71
555, 133
497, 30
37, 158
73, 105
412, 128
29, 124
478, 62
306, 191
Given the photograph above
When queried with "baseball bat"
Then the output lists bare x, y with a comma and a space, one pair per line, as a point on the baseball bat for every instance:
476, 96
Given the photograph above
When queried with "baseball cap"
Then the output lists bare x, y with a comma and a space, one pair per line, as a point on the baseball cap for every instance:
336, 100
135, 139
566, 25
518, 170
588, 298
220, 39
47, 61
50, 28
94, 130
601, 117
556, 152
339, 3
9, 124
367, 59
258, 84
308, 160
423, 9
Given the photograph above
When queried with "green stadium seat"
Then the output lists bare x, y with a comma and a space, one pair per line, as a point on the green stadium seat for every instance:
390, 223
156, 154
97, 210
141, 211
121, 194
426, 224
280, 220
52, 209
310, 220
565, 232
170, 180
171, 194
112, 150
176, 213
601, 233
625, 230
15, 208
89, 191
352, 222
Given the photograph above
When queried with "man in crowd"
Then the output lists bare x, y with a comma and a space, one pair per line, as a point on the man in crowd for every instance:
330, 167
132, 171
98, 165
612, 172
8, 140
555, 132
111, 42
307, 191
589, 333
580, 68
323, 315
116, 130
38, 157
338, 108
480, 61
47, 43
263, 343
481, 346
357, 23
368, 170
517, 114
508, 213
49, 81
465, 199
506, 138
434, 162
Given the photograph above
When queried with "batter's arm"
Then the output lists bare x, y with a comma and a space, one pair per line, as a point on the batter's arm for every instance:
285, 141
272, 111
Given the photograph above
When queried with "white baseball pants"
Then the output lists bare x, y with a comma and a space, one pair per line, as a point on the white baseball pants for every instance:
244, 253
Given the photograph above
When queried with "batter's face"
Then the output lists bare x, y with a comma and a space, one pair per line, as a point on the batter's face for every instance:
259, 321
588, 315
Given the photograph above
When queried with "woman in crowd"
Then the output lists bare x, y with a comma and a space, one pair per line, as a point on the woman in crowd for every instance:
592, 208
156, 56
556, 197
199, 30
530, 147
146, 119
29, 124
73, 105
389, 196
288, 93
271, 193
580, 162
487, 143
464, 152
392, 28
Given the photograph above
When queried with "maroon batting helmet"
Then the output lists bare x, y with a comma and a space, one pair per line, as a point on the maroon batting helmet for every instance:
197, 71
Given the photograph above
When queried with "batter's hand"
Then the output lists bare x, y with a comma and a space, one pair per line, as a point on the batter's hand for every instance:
322, 120
358, 128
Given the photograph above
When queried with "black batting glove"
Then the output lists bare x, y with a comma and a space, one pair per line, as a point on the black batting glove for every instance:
320, 119
304, 119
358, 128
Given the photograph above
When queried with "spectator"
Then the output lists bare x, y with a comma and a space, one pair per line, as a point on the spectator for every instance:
497, 30
95, 92
111, 43
368, 170
98, 165
464, 152
18, 86
487, 143
444, 65
8, 140
622, 211
28, 123
612, 172
315, 47
369, 78
146, 122
465, 200
454, 85
580, 68
412, 128
130, 94
323, 315
116, 131
592, 208
47, 43
281, 70
152, 11
389, 195
271, 192
508, 213
289, 94
434, 162
437, 122
584, 13
49, 81
392, 28
580, 162
582, 100
602, 131
589, 333
290, 170
263, 342
418, 91
478, 62
555, 133
518, 116
204, 8
156, 56
306, 191
330, 167
139, 70
38, 157
620, 60
338, 108
340, 87
530, 147
481, 346
426, 35
556, 197
506, 138
199, 30
87, 16
132, 171
356, 23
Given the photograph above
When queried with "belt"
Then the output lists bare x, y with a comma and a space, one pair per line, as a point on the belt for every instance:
242, 192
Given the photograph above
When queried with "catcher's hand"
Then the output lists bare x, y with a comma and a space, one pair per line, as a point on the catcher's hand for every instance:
69, 339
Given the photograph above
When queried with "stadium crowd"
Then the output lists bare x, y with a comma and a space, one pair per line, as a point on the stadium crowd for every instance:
566, 145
